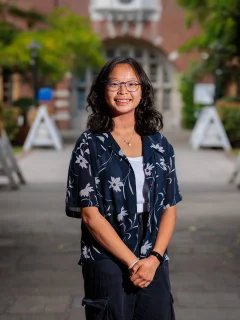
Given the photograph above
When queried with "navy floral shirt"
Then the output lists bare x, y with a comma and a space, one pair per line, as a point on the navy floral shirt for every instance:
100, 175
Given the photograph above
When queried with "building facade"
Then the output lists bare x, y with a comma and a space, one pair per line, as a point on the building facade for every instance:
150, 31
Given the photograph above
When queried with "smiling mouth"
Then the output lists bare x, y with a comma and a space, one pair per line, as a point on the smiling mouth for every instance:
123, 100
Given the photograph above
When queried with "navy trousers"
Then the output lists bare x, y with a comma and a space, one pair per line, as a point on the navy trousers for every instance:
110, 295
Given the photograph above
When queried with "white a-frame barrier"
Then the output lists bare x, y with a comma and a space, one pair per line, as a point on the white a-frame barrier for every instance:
8, 164
209, 131
43, 132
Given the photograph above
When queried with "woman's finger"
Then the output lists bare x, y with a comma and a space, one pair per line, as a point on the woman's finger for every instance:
147, 283
143, 284
135, 268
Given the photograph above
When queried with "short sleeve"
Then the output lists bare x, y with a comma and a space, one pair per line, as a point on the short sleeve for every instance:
81, 189
172, 194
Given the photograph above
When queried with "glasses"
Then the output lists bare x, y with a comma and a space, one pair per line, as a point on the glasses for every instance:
131, 86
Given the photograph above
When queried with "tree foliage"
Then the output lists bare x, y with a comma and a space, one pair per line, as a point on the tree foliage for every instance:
66, 41
219, 40
190, 109
220, 24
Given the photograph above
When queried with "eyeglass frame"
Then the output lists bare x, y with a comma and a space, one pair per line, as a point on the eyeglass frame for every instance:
120, 83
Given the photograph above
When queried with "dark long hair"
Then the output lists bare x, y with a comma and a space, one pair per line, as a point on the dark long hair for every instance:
147, 119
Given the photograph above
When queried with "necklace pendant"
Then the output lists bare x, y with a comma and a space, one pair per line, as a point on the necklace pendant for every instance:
128, 142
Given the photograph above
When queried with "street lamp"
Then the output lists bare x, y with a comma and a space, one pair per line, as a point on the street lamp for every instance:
34, 48
219, 53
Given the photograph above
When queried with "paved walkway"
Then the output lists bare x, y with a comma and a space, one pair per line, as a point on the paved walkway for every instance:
39, 246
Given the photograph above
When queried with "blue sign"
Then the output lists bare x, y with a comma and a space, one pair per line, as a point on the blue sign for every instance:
45, 94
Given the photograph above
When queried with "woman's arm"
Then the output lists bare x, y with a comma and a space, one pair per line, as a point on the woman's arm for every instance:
144, 270
166, 230
104, 233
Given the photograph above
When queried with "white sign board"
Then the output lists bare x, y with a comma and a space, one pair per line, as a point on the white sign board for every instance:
8, 164
204, 93
209, 131
43, 132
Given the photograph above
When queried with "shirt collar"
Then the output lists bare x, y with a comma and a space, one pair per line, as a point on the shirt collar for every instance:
150, 145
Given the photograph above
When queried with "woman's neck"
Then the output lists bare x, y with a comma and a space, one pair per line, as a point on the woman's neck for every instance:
124, 123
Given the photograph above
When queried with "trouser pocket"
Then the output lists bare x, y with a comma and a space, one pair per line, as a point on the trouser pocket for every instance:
96, 309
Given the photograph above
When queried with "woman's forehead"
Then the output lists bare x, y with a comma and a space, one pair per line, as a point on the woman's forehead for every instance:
123, 71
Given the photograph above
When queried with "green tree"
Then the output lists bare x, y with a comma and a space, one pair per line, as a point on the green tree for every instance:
219, 40
190, 109
67, 43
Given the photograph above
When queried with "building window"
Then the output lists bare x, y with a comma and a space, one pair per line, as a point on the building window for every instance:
152, 55
166, 75
81, 98
138, 53
124, 53
153, 72
81, 90
166, 101
110, 53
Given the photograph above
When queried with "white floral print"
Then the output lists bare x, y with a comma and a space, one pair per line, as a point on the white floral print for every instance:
163, 164
166, 206
70, 186
147, 245
115, 183
101, 138
97, 181
122, 214
157, 147
86, 191
148, 169
85, 252
120, 153
82, 161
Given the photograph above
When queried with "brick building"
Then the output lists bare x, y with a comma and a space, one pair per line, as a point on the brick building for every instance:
151, 31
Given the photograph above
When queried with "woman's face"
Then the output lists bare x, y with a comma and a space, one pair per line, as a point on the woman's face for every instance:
122, 97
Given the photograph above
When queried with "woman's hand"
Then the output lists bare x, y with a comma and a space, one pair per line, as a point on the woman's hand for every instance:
143, 271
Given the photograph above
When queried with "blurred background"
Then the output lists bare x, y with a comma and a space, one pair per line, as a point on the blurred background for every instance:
50, 52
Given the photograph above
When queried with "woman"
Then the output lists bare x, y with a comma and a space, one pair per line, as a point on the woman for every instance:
122, 182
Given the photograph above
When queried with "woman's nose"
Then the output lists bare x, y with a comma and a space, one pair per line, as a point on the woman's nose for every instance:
122, 88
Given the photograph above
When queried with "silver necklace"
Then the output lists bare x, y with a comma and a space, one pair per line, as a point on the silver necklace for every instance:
128, 142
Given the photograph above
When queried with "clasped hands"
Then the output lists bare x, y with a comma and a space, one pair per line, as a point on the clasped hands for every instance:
143, 271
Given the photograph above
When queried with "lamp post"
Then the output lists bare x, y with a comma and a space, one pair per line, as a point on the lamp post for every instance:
219, 53
34, 48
